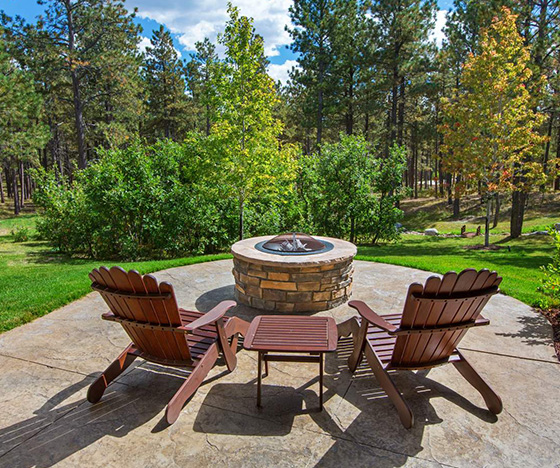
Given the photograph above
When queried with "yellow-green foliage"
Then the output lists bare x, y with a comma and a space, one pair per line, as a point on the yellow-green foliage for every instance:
490, 130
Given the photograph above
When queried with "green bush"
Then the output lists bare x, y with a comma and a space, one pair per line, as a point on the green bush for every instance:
350, 192
20, 234
138, 202
550, 284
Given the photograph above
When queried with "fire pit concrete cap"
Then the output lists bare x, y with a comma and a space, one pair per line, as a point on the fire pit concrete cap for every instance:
245, 250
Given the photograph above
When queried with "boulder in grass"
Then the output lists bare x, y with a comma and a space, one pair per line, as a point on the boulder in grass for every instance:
431, 232
557, 226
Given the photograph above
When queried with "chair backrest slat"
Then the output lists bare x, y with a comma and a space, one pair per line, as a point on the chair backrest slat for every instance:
452, 299
123, 292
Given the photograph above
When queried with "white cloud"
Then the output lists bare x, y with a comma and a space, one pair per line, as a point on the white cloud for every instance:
144, 42
437, 34
280, 71
193, 20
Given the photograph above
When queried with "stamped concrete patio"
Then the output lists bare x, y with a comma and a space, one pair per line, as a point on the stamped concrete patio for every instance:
46, 367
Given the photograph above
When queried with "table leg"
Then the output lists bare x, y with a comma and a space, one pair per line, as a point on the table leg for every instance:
259, 380
265, 366
321, 381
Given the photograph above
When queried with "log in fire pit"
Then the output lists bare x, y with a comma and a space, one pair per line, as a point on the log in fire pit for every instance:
293, 272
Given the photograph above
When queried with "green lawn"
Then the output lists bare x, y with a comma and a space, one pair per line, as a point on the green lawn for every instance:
519, 267
34, 280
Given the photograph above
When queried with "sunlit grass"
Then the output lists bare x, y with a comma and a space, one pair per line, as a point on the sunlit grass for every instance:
35, 280
519, 265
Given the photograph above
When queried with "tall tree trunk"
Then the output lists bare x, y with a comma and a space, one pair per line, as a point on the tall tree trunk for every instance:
22, 184
557, 179
547, 146
487, 222
394, 103
15, 192
400, 122
498, 203
241, 220
456, 199
2, 199
9, 182
79, 122
415, 155
78, 104
518, 201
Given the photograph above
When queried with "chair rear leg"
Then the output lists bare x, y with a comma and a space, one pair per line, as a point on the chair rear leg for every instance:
491, 398
190, 386
405, 413
117, 367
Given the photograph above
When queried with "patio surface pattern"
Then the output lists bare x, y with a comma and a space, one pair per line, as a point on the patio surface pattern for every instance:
47, 365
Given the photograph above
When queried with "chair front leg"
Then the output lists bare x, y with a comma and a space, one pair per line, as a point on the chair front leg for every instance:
405, 413
117, 367
191, 385
348, 327
359, 346
226, 348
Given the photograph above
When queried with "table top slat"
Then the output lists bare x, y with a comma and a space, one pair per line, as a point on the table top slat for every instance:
288, 333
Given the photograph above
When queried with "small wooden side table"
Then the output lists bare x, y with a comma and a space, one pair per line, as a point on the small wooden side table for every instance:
291, 334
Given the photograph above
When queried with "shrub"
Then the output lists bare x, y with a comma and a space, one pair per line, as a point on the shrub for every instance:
550, 284
349, 192
20, 234
137, 202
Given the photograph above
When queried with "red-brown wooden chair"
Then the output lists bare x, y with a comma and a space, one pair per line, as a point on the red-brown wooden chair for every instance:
435, 318
163, 333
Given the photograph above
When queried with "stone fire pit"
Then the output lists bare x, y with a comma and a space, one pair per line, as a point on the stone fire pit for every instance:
300, 282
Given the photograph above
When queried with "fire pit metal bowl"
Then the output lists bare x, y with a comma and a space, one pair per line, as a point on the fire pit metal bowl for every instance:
294, 243
293, 272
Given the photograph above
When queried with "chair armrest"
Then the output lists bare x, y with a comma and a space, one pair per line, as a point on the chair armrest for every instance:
210, 317
481, 321
109, 316
371, 316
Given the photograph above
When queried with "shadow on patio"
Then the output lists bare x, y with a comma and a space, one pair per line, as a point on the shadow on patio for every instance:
59, 430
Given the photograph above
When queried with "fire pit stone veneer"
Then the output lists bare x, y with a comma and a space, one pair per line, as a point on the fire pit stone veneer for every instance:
293, 283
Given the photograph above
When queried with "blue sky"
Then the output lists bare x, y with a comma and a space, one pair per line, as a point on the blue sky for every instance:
192, 20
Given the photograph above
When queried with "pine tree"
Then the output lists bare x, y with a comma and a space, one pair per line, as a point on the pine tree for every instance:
83, 53
21, 133
167, 103
491, 130
200, 71
350, 43
402, 29
313, 22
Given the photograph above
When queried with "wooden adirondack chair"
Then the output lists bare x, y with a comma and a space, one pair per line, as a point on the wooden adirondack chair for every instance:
163, 333
435, 318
